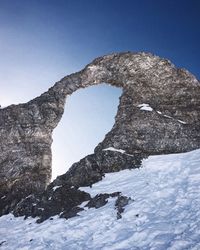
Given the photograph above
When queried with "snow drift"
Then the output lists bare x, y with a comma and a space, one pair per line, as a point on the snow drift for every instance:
164, 212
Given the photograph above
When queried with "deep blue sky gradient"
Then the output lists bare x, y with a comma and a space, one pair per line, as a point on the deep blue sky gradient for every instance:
91, 28
42, 41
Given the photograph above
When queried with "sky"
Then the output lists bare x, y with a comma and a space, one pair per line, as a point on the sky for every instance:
43, 41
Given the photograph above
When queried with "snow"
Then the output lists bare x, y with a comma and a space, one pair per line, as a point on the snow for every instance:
167, 116
182, 122
56, 187
170, 117
114, 149
145, 107
165, 213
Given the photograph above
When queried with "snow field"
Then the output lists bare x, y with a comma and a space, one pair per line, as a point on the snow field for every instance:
164, 213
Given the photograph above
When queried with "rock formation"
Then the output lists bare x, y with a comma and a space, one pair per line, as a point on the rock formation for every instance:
159, 113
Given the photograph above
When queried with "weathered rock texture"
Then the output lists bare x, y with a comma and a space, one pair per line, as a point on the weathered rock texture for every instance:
172, 126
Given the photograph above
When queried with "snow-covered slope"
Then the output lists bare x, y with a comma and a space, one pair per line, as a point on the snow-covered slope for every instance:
164, 213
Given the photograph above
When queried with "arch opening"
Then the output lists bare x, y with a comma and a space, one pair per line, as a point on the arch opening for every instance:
89, 115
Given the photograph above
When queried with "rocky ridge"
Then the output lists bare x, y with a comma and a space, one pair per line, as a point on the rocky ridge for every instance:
159, 113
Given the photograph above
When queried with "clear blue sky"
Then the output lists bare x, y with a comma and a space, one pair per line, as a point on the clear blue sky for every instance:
42, 41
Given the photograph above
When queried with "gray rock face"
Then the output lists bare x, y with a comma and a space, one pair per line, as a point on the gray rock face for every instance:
172, 125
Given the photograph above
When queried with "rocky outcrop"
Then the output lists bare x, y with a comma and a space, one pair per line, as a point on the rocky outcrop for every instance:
59, 200
120, 204
66, 202
159, 112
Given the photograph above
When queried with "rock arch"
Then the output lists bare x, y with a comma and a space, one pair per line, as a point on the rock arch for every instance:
148, 82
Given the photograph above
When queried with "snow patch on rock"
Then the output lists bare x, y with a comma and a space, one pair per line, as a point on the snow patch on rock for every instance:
145, 107
56, 187
115, 150
182, 122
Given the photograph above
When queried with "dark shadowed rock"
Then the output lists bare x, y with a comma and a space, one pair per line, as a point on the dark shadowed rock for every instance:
65, 202
71, 213
120, 204
61, 200
168, 123
93, 167
100, 200
2, 242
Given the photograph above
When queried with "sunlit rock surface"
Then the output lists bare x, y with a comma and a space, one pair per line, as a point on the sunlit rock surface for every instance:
159, 113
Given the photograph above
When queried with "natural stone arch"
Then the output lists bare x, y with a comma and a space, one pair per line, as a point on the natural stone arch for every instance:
172, 126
